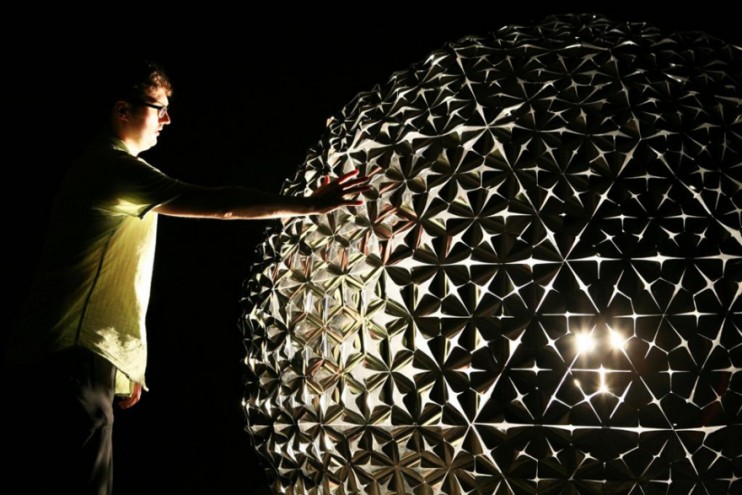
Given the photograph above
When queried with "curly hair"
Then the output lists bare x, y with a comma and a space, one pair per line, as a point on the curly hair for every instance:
134, 79
126, 80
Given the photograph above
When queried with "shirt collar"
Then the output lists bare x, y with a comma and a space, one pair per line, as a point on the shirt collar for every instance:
109, 139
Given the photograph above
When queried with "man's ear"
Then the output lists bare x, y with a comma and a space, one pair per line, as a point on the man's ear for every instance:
122, 110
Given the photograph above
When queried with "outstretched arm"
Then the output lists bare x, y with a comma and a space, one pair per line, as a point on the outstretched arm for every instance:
235, 203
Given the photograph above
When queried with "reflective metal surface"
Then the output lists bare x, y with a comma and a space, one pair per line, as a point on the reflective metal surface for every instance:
542, 295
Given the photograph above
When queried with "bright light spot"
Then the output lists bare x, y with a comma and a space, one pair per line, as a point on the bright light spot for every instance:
617, 340
585, 342
603, 389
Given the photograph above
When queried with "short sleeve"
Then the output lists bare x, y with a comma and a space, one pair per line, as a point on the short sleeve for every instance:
133, 187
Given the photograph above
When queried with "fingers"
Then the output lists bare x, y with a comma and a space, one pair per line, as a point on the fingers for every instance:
356, 190
346, 184
354, 182
345, 177
346, 181
130, 401
358, 184
127, 403
343, 191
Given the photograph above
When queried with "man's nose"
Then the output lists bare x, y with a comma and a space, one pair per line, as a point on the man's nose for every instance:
165, 118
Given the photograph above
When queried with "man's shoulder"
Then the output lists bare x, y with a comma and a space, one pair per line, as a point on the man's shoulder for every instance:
107, 146
107, 154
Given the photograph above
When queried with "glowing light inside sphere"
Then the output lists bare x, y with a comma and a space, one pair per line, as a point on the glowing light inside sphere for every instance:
541, 295
585, 342
617, 340
603, 386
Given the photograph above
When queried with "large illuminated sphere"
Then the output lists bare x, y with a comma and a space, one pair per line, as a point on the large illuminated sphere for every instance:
542, 295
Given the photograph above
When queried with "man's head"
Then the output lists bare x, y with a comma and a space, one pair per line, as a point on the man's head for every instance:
137, 103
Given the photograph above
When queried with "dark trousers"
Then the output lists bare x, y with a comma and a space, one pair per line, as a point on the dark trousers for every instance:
57, 423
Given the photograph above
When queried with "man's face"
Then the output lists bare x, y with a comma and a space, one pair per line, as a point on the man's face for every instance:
146, 120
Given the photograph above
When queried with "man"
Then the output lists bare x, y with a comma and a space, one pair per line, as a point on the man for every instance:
80, 339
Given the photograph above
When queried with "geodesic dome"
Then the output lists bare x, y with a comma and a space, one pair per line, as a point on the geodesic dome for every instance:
542, 294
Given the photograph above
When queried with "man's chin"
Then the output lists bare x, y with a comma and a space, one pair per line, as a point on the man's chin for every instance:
151, 144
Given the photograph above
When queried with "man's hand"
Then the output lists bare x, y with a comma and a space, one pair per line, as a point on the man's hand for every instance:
240, 203
136, 394
331, 195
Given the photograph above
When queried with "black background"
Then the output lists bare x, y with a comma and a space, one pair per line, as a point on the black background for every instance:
252, 93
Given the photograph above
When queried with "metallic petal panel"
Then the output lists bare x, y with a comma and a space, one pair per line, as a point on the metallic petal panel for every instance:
542, 294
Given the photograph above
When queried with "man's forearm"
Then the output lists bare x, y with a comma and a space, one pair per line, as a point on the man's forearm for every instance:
237, 203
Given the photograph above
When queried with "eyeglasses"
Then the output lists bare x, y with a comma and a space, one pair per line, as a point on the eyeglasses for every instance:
161, 109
